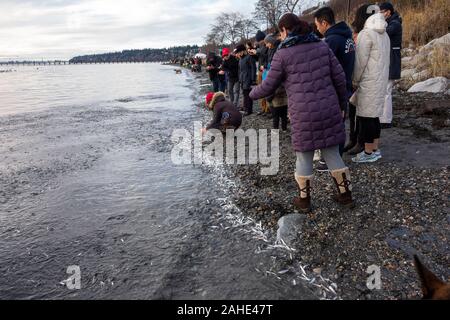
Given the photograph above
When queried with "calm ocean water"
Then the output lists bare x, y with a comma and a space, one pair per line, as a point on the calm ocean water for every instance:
86, 180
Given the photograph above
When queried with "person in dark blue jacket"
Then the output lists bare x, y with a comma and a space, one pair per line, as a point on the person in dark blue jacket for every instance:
339, 38
247, 75
395, 32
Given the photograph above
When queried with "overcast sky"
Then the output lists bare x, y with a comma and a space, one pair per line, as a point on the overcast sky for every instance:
52, 29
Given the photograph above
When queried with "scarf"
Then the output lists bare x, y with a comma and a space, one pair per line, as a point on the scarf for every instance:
294, 39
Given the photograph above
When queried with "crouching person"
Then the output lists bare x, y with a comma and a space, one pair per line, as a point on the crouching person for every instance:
226, 115
317, 92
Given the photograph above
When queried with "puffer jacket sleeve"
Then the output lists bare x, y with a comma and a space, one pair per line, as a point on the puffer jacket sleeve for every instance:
363, 48
274, 79
339, 80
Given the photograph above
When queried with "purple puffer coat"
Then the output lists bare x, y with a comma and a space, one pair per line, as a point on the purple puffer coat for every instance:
317, 93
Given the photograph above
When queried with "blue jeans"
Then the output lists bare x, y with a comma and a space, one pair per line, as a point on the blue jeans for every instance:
234, 89
222, 84
216, 84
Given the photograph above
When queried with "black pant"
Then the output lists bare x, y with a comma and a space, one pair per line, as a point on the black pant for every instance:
353, 124
369, 129
277, 114
248, 102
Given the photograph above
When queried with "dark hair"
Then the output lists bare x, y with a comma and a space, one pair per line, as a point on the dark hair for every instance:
291, 22
314, 30
361, 17
249, 44
387, 6
325, 14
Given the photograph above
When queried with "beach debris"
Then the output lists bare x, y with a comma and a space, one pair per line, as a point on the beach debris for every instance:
288, 228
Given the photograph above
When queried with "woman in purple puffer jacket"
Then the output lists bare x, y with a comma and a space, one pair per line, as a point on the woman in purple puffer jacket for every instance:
317, 96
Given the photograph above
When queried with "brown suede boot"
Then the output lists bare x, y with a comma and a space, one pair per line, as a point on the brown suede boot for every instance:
343, 183
303, 202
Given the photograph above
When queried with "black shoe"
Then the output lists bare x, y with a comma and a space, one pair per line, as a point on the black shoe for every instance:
322, 167
386, 125
356, 149
349, 146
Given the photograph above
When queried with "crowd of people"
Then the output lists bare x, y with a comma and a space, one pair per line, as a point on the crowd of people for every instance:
315, 76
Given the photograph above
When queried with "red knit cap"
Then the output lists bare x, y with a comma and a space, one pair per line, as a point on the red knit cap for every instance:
225, 52
209, 97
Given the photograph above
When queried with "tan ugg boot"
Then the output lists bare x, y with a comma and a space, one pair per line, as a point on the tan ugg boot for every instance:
303, 202
342, 180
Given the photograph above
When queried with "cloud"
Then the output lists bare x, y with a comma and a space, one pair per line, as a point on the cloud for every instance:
64, 28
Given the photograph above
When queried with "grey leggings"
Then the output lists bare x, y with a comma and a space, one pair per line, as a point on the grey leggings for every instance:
333, 159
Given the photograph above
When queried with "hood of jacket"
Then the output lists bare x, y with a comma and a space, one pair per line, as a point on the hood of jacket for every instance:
218, 97
377, 23
293, 40
339, 29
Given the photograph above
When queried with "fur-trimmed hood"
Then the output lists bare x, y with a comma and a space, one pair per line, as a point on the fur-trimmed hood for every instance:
218, 96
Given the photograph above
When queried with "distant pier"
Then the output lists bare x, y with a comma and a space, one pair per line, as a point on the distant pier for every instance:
62, 62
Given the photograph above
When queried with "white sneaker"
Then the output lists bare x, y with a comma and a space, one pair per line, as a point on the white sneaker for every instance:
363, 157
317, 155
378, 154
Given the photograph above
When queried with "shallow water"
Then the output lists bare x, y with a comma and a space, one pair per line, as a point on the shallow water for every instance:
86, 180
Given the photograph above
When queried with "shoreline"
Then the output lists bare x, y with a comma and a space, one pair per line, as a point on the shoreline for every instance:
402, 204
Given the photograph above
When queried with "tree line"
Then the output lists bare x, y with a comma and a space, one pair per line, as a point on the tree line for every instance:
144, 55
230, 28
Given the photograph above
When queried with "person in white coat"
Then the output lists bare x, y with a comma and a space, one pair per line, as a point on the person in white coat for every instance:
370, 78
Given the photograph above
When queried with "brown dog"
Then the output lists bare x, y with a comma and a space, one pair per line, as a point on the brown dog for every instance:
432, 287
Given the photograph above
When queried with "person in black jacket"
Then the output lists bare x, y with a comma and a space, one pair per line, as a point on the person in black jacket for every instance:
230, 65
395, 32
213, 66
339, 38
247, 75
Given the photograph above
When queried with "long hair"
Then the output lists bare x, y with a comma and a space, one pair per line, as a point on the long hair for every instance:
362, 14
293, 24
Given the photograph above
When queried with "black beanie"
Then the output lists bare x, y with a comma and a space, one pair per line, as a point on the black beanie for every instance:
387, 6
240, 48
260, 36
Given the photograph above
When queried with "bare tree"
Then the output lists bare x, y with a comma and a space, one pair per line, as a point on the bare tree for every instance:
292, 5
228, 27
269, 12
247, 29
215, 36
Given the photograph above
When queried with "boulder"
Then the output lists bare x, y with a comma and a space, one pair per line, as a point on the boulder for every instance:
434, 85
443, 41
289, 226
408, 73
421, 76
410, 62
